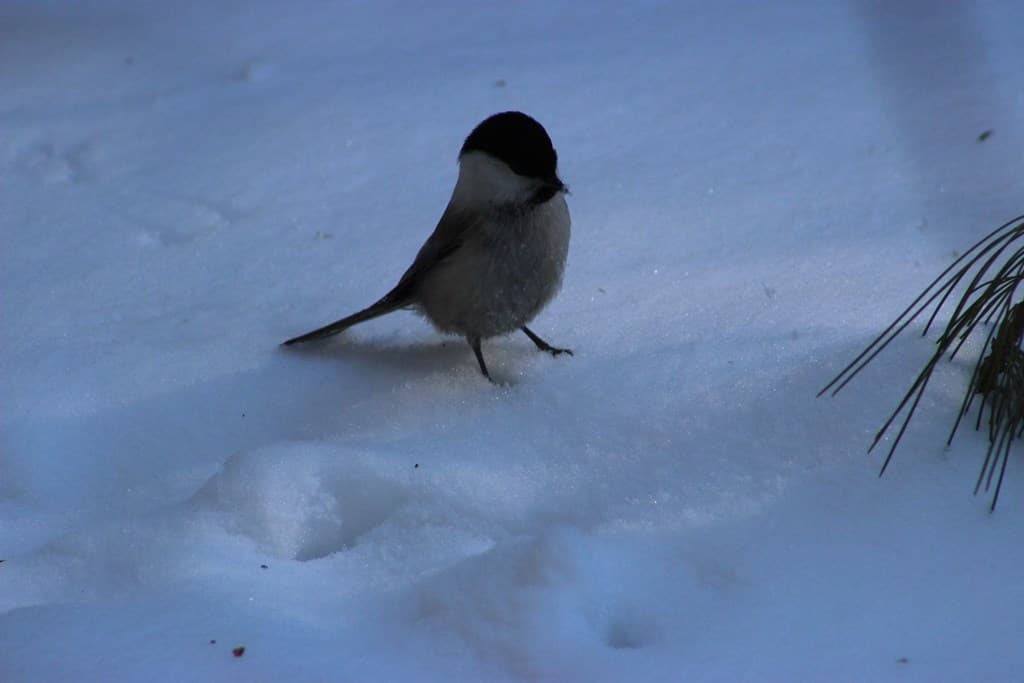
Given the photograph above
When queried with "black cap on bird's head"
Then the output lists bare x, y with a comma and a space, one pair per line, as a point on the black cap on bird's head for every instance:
519, 141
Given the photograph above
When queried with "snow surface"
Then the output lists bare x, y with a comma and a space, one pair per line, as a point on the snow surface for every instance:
757, 189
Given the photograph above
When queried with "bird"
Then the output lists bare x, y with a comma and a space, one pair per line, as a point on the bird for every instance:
498, 253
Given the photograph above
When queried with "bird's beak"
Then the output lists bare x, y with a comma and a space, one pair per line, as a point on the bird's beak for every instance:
548, 188
555, 185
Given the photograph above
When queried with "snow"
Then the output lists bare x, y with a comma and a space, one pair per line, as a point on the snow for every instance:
757, 189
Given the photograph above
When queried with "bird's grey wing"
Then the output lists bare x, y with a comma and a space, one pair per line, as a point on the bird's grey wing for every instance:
447, 238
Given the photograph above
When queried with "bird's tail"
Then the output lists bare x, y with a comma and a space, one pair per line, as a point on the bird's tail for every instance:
382, 307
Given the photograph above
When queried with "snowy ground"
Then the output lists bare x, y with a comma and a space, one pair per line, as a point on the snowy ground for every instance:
757, 189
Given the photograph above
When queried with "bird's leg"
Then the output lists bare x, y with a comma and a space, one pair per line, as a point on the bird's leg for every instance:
543, 345
474, 343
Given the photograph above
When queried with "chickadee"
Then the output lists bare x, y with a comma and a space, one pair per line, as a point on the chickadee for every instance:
497, 255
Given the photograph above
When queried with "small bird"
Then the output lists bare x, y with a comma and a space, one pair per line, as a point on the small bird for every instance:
497, 255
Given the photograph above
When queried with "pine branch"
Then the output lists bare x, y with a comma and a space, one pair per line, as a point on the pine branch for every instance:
989, 297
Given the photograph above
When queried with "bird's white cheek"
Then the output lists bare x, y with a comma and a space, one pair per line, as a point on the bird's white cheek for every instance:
483, 180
